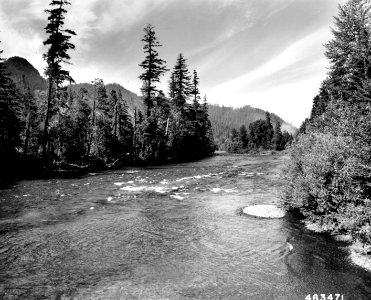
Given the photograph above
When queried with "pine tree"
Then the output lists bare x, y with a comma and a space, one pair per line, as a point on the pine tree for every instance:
153, 66
59, 44
194, 87
29, 114
10, 122
243, 136
123, 134
349, 50
182, 83
277, 140
269, 130
104, 114
92, 128
172, 86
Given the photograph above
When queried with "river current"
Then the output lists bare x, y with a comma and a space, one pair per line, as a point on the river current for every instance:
168, 232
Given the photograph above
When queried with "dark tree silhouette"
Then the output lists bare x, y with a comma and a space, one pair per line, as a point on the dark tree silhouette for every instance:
153, 66
59, 43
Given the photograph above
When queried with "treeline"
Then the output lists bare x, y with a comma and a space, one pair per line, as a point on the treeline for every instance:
224, 119
329, 175
63, 127
260, 135
176, 127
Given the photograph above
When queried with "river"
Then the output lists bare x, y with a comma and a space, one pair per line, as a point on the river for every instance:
168, 232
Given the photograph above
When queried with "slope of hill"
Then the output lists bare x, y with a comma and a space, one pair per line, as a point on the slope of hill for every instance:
19, 67
132, 99
223, 119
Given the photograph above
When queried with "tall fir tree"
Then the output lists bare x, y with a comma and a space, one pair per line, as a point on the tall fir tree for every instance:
269, 130
59, 44
182, 83
194, 87
10, 121
277, 140
153, 66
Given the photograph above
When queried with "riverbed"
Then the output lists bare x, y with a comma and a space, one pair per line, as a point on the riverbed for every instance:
166, 232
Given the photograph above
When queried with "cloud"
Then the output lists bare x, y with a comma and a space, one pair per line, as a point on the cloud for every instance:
290, 56
241, 49
293, 74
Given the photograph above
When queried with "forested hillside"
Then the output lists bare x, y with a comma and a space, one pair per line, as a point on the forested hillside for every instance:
56, 123
226, 119
132, 100
328, 178
23, 73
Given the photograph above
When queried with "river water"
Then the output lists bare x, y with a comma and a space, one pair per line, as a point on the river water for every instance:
170, 232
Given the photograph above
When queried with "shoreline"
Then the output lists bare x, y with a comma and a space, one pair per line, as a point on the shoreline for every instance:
29, 169
357, 251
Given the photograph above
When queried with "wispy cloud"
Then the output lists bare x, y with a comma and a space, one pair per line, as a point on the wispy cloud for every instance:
287, 81
289, 57
256, 52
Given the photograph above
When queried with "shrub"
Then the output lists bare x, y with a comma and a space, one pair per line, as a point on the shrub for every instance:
321, 180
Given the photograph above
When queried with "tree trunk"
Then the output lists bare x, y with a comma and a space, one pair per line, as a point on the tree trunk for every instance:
27, 138
91, 127
46, 123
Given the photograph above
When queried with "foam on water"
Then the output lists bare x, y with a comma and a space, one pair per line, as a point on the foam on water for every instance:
217, 190
177, 196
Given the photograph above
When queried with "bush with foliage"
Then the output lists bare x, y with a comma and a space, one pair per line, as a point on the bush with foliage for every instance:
328, 177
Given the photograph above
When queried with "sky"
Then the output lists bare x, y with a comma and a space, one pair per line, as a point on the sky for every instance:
263, 53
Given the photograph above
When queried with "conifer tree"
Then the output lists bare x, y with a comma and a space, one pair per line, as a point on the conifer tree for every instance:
277, 140
59, 43
269, 130
172, 86
182, 83
194, 87
29, 114
104, 114
153, 66
243, 136
10, 123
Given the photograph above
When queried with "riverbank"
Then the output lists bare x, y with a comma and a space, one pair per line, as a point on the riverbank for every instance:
35, 168
359, 253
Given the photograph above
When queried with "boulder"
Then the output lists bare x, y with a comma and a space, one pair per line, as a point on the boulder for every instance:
264, 211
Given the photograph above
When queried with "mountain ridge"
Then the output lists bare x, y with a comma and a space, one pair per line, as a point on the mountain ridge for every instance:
223, 118
24, 74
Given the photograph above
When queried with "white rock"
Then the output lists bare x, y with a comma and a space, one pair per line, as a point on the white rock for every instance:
133, 188
177, 197
291, 247
91, 208
159, 189
264, 211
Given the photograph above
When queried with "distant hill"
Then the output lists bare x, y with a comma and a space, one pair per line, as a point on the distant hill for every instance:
19, 67
132, 99
223, 119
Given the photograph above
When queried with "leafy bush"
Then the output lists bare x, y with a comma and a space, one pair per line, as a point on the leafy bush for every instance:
322, 181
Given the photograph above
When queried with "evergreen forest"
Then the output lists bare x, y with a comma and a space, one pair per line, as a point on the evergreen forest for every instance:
259, 136
227, 122
56, 123
328, 177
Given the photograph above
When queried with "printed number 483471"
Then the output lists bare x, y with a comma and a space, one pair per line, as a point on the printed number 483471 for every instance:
324, 297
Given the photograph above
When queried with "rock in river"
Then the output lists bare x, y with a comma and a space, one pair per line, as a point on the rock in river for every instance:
264, 211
